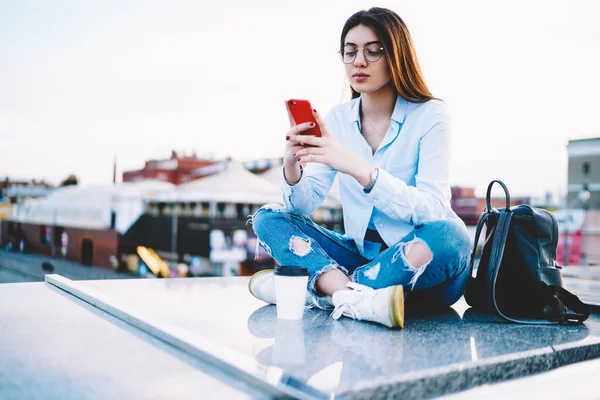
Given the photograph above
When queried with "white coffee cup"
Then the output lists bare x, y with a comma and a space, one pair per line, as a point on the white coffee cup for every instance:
290, 291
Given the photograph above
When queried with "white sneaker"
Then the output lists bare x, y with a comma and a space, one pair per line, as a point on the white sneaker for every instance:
262, 286
384, 306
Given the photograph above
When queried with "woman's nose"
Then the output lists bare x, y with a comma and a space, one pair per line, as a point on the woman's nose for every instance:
360, 60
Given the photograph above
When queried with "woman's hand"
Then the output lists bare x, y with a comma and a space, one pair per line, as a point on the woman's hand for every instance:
328, 150
290, 161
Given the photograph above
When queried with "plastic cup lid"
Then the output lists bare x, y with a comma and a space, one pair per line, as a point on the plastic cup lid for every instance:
291, 271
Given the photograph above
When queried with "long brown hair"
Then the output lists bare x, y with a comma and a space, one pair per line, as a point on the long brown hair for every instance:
401, 57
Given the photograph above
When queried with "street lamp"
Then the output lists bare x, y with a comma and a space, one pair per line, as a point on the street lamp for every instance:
584, 196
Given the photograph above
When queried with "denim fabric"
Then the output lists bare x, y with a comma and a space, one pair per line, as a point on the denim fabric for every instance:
440, 282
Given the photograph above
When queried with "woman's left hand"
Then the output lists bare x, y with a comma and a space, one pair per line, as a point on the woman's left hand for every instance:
326, 149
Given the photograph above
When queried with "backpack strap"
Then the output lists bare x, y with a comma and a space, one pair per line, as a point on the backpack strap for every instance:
496, 254
482, 220
560, 302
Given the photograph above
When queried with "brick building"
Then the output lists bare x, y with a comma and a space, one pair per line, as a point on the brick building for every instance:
177, 170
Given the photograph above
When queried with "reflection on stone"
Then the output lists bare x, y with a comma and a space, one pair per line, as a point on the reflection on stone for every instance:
347, 355
288, 348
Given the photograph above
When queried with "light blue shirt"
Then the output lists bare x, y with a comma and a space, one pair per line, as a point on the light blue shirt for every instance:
413, 184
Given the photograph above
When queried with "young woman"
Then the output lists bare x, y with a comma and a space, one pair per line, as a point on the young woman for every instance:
389, 146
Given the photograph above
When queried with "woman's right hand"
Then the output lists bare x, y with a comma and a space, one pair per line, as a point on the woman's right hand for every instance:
290, 160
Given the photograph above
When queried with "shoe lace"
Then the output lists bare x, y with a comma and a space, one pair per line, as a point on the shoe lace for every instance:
349, 307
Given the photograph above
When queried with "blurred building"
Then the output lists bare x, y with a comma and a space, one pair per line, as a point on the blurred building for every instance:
16, 191
465, 204
262, 165
500, 201
203, 218
5, 210
81, 224
583, 194
584, 172
176, 170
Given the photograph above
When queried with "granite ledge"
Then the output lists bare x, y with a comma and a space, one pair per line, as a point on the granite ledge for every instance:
458, 377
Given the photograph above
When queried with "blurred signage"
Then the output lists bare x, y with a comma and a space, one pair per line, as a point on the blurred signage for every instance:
570, 226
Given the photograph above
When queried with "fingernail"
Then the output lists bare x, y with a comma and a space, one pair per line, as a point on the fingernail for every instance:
312, 124
299, 159
294, 154
314, 110
287, 138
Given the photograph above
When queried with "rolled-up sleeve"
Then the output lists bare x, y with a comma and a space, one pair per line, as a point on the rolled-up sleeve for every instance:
429, 199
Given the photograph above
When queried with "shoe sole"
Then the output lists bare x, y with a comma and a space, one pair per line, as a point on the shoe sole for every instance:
255, 276
397, 309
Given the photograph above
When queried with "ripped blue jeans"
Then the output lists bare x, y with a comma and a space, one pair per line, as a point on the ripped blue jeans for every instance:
438, 283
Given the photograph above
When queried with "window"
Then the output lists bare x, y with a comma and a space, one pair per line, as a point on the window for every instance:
220, 210
241, 210
230, 211
586, 168
58, 232
205, 209
45, 235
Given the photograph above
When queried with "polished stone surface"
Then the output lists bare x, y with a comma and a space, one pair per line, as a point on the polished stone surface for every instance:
441, 352
56, 347
576, 381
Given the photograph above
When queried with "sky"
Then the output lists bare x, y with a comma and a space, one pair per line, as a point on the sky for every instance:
84, 81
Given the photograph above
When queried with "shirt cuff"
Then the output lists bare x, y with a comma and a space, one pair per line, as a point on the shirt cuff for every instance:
386, 189
293, 193
293, 184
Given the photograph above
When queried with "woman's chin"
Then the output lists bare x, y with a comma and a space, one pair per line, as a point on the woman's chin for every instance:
362, 88
367, 88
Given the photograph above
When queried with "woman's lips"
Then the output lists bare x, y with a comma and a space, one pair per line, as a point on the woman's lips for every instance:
360, 77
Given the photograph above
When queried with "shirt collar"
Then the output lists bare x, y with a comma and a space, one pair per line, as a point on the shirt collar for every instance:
398, 114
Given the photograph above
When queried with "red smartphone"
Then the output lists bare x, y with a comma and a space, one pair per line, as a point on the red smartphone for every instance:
302, 111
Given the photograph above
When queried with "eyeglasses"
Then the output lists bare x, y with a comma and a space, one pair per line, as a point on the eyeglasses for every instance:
372, 52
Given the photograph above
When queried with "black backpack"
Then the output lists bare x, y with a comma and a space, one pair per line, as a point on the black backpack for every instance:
518, 276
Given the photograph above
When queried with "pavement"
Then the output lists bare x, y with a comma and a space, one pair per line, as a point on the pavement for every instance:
585, 283
17, 267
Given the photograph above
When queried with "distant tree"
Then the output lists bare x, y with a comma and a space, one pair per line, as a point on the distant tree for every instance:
70, 181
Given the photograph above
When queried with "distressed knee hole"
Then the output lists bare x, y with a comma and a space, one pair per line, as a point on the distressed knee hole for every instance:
300, 246
417, 254
373, 271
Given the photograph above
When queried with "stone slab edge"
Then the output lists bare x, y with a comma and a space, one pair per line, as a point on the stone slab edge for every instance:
462, 376
237, 365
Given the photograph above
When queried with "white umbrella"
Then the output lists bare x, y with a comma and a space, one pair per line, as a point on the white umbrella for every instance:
234, 184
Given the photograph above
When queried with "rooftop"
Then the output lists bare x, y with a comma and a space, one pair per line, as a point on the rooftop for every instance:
209, 335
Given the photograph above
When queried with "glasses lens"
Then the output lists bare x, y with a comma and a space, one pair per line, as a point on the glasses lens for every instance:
348, 54
373, 52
